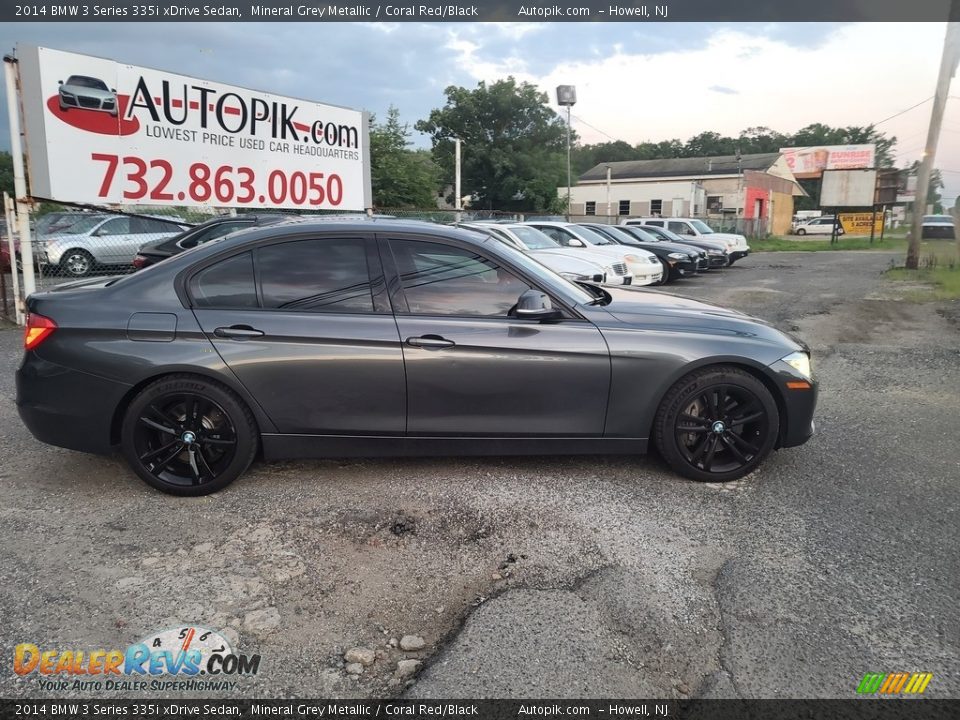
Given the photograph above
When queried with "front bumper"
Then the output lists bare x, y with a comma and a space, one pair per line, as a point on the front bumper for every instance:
66, 408
799, 404
685, 269
737, 254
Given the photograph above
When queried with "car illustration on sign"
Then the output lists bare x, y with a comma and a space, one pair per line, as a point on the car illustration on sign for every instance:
87, 93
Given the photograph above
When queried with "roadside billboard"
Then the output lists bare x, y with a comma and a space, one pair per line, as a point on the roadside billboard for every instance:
848, 188
101, 132
859, 223
810, 162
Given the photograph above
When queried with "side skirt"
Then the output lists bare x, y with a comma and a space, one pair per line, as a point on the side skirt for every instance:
280, 447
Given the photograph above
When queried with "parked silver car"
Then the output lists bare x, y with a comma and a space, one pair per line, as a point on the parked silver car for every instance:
583, 267
99, 239
87, 93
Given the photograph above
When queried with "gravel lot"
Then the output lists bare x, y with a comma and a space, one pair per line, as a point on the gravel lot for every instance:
544, 577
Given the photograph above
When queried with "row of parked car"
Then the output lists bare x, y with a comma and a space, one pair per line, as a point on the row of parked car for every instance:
640, 251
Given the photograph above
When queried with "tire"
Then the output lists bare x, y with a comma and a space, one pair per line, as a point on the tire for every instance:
187, 435
801, 231
76, 263
686, 426
665, 278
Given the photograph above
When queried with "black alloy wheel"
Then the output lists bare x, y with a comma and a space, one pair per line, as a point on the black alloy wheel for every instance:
186, 435
717, 424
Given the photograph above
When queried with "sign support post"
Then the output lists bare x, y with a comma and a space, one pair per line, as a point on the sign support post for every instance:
19, 177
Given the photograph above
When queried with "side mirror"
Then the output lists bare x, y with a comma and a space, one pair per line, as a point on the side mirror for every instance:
113, 90
59, 82
535, 305
575, 242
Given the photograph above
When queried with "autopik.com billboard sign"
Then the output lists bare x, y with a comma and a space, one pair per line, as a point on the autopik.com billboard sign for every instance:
101, 132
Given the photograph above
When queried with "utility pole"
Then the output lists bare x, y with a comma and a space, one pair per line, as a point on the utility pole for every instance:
456, 171
948, 67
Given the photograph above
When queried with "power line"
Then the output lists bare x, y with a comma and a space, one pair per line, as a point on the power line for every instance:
592, 127
903, 111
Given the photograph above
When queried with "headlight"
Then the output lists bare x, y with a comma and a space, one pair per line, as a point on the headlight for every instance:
800, 362
653, 260
677, 256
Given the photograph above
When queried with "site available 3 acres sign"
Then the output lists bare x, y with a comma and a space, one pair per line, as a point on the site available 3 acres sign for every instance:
101, 132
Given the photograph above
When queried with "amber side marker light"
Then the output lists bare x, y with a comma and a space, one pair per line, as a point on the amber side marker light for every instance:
38, 329
798, 385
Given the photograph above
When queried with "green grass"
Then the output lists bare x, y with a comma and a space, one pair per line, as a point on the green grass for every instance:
776, 244
939, 269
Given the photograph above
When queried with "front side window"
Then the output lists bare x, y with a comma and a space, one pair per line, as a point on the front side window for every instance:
117, 226
316, 276
227, 284
441, 279
681, 228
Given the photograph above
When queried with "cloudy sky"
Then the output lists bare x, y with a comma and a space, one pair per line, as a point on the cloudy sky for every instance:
634, 82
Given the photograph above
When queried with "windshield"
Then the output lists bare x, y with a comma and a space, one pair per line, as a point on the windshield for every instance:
702, 227
87, 82
548, 277
533, 238
640, 234
593, 237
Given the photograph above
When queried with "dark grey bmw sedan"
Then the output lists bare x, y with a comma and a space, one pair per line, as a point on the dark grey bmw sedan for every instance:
393, 338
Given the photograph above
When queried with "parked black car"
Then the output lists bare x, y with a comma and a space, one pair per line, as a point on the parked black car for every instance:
205, 232
309, 339
716, 252
679, 261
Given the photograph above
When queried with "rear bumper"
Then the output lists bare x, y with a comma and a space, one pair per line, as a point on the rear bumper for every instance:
67, 408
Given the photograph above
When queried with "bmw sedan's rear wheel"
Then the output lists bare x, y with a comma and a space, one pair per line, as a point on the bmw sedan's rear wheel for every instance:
186, 435
716, 424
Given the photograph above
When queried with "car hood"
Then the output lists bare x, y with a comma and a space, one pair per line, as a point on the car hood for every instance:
652, 310
727, 237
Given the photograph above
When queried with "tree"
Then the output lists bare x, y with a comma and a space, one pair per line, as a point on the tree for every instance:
513, 144
401, 177
6, 173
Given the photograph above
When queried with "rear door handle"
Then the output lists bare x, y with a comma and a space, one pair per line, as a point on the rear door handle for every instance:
430, 342
239, 332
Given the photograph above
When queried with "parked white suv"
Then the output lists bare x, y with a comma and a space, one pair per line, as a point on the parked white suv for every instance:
573, 265
735, 243
644, 265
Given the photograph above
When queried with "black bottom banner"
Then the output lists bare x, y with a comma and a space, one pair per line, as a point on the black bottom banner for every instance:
854, 709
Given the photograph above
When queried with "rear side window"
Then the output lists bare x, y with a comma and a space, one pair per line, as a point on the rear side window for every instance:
228, 284
212, 233
316, 276
655, 223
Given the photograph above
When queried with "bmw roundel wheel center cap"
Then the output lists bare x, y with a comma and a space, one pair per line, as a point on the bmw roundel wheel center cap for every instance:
719, 428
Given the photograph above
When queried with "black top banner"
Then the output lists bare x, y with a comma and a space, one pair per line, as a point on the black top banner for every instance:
510, 11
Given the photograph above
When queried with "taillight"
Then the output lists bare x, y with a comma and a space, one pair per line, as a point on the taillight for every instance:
38, 329
139, 261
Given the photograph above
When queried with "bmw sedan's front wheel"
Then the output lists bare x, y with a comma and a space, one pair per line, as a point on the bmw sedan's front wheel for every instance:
716, 424
186, 435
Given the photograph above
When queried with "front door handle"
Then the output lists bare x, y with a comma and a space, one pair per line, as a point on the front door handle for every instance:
239, 332
430, 342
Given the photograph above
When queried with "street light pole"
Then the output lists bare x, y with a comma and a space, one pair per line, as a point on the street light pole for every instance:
567, 96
